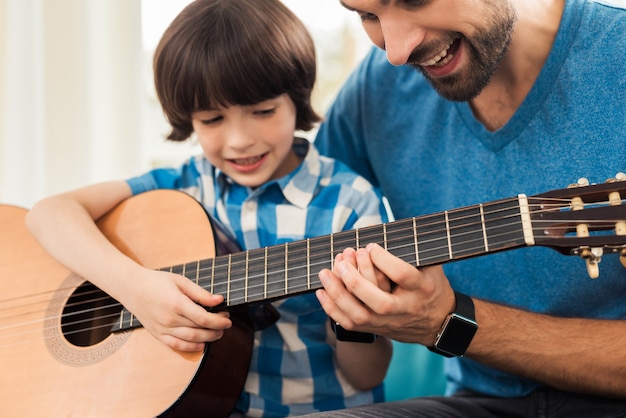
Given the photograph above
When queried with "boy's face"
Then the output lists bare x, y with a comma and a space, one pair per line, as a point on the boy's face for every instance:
456, 44
250, 144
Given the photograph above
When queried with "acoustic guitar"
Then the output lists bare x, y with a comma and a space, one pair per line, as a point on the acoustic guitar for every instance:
67, 349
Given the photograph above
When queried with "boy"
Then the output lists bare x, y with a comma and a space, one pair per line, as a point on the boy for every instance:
238, 75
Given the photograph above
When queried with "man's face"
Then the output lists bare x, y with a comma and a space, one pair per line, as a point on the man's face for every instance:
456, 44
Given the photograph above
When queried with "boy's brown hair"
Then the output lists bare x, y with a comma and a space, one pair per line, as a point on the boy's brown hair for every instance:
219, 53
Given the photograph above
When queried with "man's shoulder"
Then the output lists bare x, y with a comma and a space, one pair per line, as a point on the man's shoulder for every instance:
619, 4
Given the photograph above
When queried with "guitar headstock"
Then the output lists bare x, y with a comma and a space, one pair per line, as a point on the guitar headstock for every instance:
584, 219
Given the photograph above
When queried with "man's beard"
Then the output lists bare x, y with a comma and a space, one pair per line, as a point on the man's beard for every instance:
485, 51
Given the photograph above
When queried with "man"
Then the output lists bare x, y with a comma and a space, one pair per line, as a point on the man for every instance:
465, 102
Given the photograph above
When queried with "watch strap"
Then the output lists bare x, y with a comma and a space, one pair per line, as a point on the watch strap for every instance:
343, 334
464, 306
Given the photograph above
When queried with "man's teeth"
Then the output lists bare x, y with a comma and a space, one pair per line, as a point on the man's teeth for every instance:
440, 59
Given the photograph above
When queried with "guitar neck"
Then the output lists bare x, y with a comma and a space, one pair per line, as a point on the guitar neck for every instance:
292, 268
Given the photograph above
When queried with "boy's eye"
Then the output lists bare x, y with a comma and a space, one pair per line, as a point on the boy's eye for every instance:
367, 17
211, 121
265, 112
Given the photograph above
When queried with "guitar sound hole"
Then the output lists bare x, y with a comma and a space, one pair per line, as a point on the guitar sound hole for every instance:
89, 315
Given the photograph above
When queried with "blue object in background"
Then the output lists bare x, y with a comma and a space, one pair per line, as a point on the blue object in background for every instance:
414, 371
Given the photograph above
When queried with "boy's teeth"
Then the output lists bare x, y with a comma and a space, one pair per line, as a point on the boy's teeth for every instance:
246, 161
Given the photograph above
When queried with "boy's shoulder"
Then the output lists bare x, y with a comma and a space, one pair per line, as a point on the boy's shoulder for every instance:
332, 170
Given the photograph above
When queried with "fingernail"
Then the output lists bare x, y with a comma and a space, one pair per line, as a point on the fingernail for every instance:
324, 277
341, 268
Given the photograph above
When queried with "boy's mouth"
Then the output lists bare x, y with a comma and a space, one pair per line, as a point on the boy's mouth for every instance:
247, 160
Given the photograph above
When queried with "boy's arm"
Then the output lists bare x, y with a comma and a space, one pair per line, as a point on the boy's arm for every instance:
165, 303
365, 364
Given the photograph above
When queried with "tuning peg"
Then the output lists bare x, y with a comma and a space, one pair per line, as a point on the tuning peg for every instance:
618, 177
620, 227
592, 256
581, 182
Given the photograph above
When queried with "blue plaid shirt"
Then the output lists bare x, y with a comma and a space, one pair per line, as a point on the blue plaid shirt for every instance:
293, 370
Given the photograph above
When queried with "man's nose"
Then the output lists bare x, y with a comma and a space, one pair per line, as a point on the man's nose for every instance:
400, 40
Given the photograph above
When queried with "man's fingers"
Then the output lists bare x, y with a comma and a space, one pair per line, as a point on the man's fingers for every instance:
393, 267
370, 272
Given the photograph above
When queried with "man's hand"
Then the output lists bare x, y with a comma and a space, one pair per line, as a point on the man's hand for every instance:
371, 290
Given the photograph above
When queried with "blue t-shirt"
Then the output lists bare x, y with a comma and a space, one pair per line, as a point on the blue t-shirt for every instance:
428, 155
292, 371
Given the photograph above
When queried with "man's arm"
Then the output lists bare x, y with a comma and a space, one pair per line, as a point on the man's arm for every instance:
582, 355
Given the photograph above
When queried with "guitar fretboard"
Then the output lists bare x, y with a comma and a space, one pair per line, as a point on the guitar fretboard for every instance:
289, 269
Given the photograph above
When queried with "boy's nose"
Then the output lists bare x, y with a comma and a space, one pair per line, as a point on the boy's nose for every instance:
240, 138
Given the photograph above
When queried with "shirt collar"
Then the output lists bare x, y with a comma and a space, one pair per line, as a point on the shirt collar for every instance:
298, 187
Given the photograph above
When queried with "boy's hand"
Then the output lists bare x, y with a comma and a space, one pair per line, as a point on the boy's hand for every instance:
171, 308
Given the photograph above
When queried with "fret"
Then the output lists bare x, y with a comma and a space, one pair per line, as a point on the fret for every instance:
179, 269
320, 256
238, 278
246, 284
308, 262
332, 252
482, 222
126, 321
205, 274
385, 240
275, 271
467, 236
503, 222
343, 240
213, 275
265, 276
374, 234
190, 271
432, 236
228, 280
220, 276
400, 239
286, 268
298, 265
415, 243
256, 286
445, 214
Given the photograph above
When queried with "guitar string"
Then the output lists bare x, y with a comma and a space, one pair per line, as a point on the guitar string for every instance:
280, 281
324, 245
115, 315
108, 326
295, 259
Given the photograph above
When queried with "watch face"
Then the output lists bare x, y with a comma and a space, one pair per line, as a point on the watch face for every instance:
457, 335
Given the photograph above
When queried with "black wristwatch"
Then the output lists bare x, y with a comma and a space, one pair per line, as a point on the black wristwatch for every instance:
343, 334
457, 330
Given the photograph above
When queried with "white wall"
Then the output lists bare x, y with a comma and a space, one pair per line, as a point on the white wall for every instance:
76, 98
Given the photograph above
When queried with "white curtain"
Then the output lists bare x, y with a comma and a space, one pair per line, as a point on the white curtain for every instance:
72, 95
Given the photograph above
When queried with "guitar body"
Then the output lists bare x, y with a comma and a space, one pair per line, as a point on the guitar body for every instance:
48, 369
